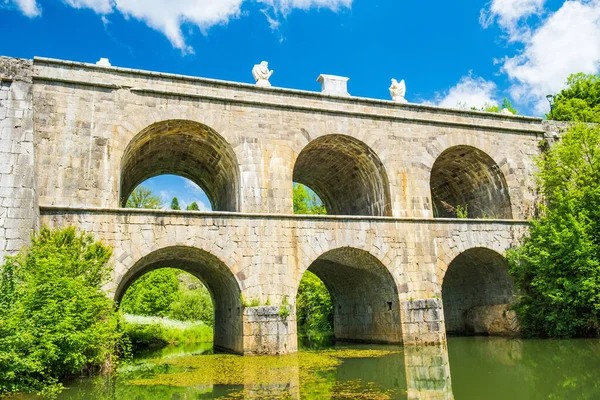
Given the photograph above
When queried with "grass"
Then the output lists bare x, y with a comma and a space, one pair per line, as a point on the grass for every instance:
155, 332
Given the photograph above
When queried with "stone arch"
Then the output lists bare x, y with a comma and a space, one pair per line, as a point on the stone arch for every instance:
216, 276
475, 287
186, 148
364, 294
346, 174
466, 176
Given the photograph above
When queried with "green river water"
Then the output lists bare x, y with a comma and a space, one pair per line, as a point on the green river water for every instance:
468, 368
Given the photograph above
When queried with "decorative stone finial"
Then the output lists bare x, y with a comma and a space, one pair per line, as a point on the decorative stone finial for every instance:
398, 91
334, 85
261, 74
103, 62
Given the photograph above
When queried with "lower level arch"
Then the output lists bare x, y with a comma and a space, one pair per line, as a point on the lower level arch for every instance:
364, 295
215, 275
476, 293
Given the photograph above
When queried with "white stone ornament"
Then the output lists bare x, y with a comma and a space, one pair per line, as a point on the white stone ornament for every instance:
103, 62
398, 91
333, 85
261, 74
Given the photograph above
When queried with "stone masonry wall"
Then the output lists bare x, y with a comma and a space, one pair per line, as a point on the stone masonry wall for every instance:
267, 256
86, 117
19, 213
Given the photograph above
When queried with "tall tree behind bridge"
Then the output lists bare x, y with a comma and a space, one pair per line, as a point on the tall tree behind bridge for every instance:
142, 197
579, 102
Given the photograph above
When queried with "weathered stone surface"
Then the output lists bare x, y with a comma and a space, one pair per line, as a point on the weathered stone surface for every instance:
77, 138
496, 320
19, 213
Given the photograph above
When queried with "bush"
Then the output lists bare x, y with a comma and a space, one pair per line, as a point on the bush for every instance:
313, 305
152, 293
55, 321
147, 333
557, 268
193, 305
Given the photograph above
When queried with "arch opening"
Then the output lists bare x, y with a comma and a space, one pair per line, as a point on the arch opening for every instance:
476, 293
346, 174
188, 149
214, 274
466, 182
364, 296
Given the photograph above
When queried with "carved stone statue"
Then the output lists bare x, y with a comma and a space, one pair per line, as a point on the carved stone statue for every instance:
398, 91
261, 74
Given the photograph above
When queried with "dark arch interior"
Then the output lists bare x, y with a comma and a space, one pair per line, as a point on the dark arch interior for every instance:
464, 175
187, 149
346, 174
215, 275
364, 296
476, 277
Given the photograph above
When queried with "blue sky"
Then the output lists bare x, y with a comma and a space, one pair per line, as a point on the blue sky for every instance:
450, 53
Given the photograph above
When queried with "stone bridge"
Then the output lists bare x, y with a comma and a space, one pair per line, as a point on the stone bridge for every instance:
76, 139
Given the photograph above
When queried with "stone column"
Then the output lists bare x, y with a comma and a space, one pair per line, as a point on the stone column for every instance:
423, 321
269, 330
19, 212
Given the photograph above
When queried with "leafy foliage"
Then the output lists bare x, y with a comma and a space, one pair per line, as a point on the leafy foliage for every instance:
152, 293
313, 304
193, 305
175, 204
169, 292
557, 268
142, 197
506, 104
55, 321
306, 201
193, 206
580, 101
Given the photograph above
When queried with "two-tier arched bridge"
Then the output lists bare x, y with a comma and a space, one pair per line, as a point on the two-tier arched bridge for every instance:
78, 138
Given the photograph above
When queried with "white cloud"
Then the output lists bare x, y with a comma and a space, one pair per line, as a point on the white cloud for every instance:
169, 16
284, 7
27, 7
470, 91
192, 187
99, 6
510, 14
566, 42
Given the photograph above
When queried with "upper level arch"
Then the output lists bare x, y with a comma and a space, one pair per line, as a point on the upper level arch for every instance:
466, 178
346, 174
186, 148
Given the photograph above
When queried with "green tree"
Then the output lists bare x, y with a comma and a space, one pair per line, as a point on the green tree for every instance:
313, 305
557, 268
193, 305
175, 204
306, 201
579, 102
142, 197
152, 293
506, 104
55, 321
193, 206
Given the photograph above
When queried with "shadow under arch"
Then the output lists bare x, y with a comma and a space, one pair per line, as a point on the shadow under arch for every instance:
346, 174
364, 295
466, 176
185, 148
216, 276
475, 280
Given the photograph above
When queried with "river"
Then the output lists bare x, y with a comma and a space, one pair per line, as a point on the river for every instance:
469, 368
